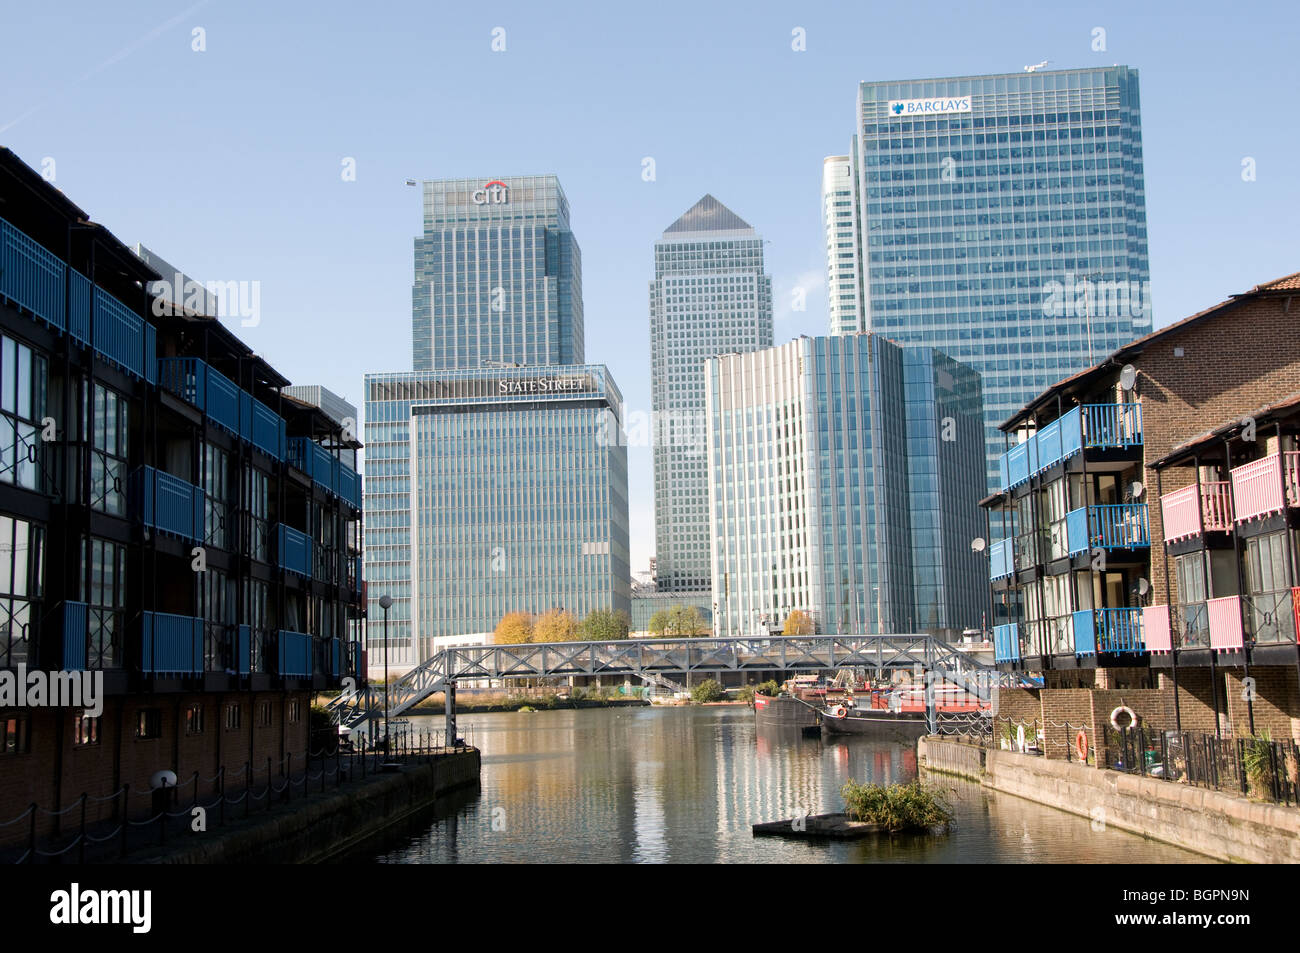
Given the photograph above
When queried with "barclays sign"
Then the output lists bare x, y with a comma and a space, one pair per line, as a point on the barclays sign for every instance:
907, 108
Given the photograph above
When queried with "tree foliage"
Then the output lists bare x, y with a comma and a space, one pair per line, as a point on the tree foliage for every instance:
707, 691
604, 625
513, 629
798, 622
555, 625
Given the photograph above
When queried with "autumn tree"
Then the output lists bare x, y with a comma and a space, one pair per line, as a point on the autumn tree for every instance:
555, 625
514, 629
686, 621
798, 622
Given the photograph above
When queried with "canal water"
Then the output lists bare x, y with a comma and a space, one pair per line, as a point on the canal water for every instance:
683, 785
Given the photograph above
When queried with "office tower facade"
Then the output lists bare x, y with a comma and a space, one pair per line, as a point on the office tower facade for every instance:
843, 255
498, 275
494, 491
709, 296
1002, 220
825, 457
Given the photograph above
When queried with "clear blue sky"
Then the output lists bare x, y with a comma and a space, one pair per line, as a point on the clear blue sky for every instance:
227, 162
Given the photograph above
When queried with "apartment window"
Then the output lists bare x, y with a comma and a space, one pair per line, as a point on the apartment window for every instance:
256, 513
22, 406
264, 714
295, 711
217, 592
1269, 614
216, 488
103, 579
14, 735
234, 717
104, 423
194, 720
21, 581
85, 729
148, 723
255, 617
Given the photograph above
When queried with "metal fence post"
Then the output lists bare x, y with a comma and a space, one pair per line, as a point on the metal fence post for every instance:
126, 806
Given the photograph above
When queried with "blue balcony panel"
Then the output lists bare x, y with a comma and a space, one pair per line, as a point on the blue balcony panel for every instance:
168, 504
293, 552
1076, 531
1085, 632
170, 644
294, 653
1119, 526
1006, 643
119, 334
1112, 426
1120, 631
32, 276
1001, 559
75, 621
243, 649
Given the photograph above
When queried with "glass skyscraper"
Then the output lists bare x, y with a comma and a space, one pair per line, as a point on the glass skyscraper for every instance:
496, 475
498, 275
1000, 219
505, 490
826, 456
709, 296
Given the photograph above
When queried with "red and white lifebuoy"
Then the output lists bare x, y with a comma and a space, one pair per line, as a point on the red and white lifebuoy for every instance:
1081, 745
840, 711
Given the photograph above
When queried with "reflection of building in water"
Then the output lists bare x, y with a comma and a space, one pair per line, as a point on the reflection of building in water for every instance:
648, 808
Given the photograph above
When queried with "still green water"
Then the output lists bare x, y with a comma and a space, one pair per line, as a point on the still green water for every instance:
683, 785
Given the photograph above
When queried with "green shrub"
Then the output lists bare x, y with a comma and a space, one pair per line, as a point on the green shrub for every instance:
897, 807
746, 694
1259, 765
770, 687
707, 691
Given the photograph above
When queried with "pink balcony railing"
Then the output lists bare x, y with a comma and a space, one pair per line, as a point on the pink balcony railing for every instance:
1179, 516
1155, 628
1257, 486
1225, 622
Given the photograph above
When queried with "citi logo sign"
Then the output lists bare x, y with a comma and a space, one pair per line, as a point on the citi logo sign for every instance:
929, 107
495, 192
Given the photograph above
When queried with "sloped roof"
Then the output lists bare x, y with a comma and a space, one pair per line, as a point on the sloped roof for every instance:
708, 215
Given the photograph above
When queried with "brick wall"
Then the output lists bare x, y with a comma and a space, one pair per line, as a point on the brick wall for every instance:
1223, 373
1275, 702
55, 769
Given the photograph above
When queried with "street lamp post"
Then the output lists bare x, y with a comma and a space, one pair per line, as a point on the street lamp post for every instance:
386, 603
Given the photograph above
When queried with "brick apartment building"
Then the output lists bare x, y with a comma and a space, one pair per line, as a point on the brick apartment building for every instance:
1109, 580
169, 521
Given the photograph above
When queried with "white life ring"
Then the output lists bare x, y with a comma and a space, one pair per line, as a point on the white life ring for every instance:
1123, 710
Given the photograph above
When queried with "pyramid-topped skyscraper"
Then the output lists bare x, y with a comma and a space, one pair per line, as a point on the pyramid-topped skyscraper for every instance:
709, 296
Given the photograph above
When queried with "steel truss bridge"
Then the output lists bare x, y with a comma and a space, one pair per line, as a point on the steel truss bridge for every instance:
652, 659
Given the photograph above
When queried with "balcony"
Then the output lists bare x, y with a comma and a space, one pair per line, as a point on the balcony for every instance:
1225, 623
1108, 631
293, 551
325, 469
1120, 526
170, 644
1001, 559
1006, 643
1257, 487
226, 405
1112, 426
1155, 628
1270, 617
1182, 518
1095, 426
293, 654
40, 281
168, 504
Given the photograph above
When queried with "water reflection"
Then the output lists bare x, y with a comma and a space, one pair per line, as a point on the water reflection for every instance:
684, 785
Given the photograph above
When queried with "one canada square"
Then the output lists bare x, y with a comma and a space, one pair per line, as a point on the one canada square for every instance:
709, 296
1000, 219
496, 480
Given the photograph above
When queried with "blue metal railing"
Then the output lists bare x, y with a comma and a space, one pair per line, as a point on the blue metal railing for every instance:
1058, 441
1120, 630
1108, 426
80, 292
119, 334
1006, 643
294, 550
243, 649
1121, 526
233, 409
170, 644
266, 430
294, 653
75, 629
335, 657
1001, 559
168, 504
32, 276
1076, 531
325, 469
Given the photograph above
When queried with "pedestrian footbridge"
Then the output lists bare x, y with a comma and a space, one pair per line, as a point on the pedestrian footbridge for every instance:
653, 660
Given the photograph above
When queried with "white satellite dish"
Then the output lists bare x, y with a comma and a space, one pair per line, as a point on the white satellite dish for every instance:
163, 779
1142, 587
1136, 489
977, 544
1127, 377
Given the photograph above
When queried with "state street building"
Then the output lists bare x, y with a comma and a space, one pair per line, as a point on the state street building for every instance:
826, 459
512, 484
